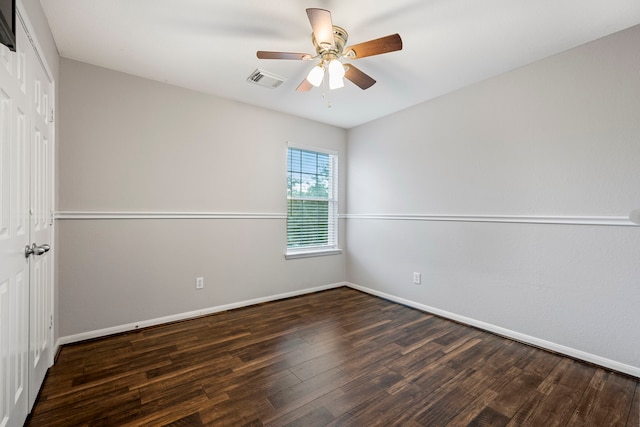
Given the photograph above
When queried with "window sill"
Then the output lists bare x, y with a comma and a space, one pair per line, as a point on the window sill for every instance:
312, 253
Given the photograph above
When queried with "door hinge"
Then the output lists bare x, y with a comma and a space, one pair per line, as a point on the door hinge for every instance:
50, 218
51, 116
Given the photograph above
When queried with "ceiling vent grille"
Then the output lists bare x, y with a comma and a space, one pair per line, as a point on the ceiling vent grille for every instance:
265, 79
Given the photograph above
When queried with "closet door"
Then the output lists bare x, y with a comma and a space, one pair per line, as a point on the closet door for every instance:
26, 227
14, 233
41, 222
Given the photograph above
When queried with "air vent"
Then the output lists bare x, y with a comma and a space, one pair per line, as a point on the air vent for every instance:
265, 79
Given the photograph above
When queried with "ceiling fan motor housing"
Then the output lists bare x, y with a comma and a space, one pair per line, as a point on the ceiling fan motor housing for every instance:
340, 37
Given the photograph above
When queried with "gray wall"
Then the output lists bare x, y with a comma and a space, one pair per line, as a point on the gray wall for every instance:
557, 138
133, 145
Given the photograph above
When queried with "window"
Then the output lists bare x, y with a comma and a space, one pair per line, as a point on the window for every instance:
312, 203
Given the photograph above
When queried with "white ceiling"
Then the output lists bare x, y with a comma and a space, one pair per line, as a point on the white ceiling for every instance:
210, 45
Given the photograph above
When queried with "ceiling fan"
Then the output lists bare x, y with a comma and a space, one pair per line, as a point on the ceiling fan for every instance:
329, 41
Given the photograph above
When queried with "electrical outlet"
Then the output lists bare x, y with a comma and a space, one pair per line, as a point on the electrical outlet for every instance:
199, 282
417, 278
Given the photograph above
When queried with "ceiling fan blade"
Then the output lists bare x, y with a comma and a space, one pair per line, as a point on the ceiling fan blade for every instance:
360, 79
282, 55
322, 26
304, 86
374, 47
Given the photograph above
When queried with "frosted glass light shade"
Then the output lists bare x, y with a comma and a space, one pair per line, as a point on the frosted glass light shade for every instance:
336, 83
336, 74
316, 75
336, 68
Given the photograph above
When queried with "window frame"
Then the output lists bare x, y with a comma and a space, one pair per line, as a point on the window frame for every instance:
333, 205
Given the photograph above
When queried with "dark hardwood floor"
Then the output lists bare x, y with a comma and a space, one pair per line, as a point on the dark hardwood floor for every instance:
338, 357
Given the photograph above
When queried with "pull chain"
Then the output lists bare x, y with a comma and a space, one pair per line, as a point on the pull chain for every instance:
326, 91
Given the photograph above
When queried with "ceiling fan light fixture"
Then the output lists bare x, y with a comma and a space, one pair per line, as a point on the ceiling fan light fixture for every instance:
335, 83
336, 74
316, 75
336, 68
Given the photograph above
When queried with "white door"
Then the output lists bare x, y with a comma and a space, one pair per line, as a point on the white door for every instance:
26, 196
41, 271
14, 234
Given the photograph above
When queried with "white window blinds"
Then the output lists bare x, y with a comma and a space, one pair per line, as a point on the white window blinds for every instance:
312, 199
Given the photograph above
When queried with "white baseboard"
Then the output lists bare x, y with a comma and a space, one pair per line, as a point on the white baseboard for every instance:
184, 316
517, 336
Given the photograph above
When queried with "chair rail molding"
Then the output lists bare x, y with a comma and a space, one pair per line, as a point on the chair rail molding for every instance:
524, 219
96, 215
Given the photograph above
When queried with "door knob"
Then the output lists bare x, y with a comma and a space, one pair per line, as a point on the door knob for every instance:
36, 250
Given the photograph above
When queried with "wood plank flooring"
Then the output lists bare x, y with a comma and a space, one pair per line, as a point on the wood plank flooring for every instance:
338, 358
